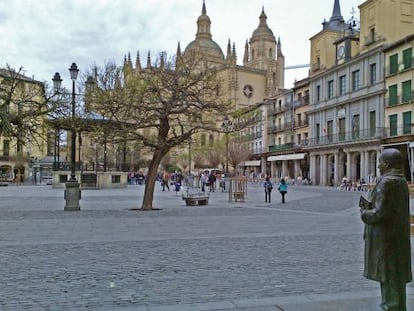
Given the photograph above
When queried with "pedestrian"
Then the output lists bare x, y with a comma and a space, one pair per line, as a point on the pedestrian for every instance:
283, 189
386, 215
268, 189
212, 181
165, 180
204, 181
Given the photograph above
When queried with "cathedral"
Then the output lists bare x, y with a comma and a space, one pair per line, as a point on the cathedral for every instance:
246, 85
261, 74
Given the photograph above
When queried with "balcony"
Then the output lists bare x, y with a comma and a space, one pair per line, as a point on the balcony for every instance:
393, 70
372, 38
253, 136
284, 147
348, 137
279, 128
303, 101
316, 67
274, 110
5, 158
399, 100
301, 123
257, 151
393, 132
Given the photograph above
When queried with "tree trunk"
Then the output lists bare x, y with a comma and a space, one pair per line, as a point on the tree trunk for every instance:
150, 181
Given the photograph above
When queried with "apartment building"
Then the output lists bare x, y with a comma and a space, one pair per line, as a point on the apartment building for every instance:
348, 125
399, 100
22, 126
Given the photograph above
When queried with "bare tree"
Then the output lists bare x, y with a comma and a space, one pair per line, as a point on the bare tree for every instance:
163, 107
238, 152
24, 108
214, 156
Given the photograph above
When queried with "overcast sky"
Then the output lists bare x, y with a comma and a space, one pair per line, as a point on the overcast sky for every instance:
47, 36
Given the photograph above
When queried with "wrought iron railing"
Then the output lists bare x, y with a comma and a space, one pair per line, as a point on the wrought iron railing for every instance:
65, 166
399, 100
346, 137
283, 147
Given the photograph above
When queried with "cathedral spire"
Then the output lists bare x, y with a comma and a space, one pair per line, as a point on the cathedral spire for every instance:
263, 18
162, 60
178, 50
129, 60
203, 10
203, 24
138, 62
279, 47
336, 22
336, 12
228, 50
149, 60
246, 53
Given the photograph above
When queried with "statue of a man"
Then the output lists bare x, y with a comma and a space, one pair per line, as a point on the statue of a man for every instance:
387, 232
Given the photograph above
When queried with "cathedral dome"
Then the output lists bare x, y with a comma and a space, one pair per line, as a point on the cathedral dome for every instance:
203, 42
204, 45
263, 31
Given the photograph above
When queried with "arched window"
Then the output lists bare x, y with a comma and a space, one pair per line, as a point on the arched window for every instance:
203, 140
211, 140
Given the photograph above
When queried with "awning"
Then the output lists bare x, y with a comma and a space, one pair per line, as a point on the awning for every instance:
293, 156
252, 163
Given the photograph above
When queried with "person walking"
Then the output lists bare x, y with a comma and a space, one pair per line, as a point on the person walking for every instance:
386, 215
165, 180
204, 181
268, 189
212, 181
283, 189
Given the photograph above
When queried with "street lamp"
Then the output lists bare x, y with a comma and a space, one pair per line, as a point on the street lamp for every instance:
189, 157
72, 191
227, 128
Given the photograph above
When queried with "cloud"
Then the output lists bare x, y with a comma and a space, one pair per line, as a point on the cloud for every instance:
47, 36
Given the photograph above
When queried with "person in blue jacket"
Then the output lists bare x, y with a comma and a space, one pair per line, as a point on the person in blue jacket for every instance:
268, 189
283, 189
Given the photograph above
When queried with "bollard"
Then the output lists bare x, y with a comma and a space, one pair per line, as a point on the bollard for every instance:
72, 196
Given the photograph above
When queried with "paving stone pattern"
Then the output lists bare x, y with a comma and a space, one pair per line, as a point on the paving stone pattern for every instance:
107, 257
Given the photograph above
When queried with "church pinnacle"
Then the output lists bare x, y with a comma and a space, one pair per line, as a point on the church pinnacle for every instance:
336, 13
336, 22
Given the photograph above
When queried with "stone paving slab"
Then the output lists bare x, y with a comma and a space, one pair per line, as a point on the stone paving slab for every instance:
224, 256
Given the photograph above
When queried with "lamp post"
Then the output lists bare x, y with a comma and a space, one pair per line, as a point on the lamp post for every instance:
189, 157
227, 128
72, 191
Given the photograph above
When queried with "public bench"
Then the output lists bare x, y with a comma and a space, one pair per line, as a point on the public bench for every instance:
194, 197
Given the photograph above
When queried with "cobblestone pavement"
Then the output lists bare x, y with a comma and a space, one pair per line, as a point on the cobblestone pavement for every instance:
214, 257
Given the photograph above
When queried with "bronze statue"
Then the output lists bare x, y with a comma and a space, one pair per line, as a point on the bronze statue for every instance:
387, 232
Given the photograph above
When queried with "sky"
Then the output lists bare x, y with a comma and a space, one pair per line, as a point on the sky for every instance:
46, 36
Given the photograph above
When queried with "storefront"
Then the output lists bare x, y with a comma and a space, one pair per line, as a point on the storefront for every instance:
292, 165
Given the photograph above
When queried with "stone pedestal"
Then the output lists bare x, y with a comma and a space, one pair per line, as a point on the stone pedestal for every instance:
72, 196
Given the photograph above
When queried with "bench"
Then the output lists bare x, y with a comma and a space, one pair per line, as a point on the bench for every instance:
196, 200
195, 197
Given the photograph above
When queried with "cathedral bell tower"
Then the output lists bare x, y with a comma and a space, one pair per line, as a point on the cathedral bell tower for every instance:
263, 52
